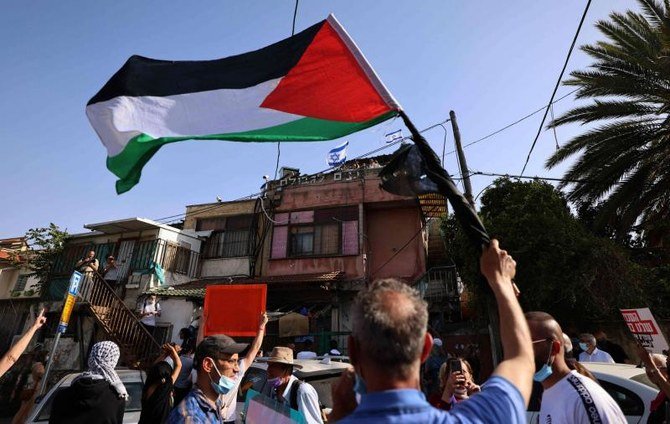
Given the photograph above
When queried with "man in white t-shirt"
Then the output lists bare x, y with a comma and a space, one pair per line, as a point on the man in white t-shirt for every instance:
587, 343
149, 310
568, 397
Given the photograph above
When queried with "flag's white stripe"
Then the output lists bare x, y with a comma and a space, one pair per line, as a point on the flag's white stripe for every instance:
340, 147
364, 64
208, 112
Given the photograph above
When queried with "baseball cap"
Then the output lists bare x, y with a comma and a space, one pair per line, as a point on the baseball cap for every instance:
215, 346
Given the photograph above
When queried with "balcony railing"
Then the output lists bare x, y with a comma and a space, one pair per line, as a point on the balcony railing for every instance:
439, 286
139, 257
439, 282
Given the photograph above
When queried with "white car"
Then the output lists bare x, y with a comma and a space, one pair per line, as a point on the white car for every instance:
627, 384
132, 379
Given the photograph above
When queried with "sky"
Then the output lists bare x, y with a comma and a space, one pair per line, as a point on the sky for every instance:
491, 62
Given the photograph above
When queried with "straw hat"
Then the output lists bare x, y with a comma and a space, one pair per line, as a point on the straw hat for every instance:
281, 355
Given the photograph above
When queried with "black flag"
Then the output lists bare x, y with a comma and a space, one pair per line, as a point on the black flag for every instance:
419, 175
406, 175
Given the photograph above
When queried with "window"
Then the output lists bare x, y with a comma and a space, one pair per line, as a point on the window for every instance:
315, 240
230, 236
629, 402
182, 257
323, 232
177, 259
143, 253
21, 282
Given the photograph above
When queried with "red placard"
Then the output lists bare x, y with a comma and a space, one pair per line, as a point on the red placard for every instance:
234, 310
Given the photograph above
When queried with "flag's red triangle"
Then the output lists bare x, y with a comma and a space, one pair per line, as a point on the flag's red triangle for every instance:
327, 83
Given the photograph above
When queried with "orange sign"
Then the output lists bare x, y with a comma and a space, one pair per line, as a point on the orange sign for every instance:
234, 310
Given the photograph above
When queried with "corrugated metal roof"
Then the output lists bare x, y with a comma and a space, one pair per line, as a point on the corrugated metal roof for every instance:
196, 289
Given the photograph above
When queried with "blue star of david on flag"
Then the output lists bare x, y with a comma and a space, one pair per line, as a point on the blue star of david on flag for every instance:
338, 155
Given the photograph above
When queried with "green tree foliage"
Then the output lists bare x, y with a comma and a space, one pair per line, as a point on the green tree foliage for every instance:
46, 244
623, 163
563, 269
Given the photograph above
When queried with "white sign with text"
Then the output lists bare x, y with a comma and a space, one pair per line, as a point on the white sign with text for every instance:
645, 329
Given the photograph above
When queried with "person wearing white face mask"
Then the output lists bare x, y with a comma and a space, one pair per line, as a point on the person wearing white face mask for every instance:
568, 397
590, 353
213, 398
284, 387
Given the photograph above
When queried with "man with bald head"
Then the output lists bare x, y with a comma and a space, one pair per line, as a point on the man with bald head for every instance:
389, 342
568, 397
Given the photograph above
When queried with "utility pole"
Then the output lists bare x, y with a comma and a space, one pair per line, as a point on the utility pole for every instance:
465, 174
492, 307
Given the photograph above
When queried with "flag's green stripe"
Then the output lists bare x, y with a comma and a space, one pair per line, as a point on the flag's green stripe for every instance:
128, 164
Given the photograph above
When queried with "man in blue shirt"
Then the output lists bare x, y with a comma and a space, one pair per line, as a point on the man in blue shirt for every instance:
389, 341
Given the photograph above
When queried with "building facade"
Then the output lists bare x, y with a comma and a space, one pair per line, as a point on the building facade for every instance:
314, 240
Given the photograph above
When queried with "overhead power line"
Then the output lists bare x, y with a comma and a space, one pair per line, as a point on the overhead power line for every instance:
558, 83
518, 121
528, 177
177, 217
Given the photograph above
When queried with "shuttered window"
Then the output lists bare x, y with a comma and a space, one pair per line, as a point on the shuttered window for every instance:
321, 232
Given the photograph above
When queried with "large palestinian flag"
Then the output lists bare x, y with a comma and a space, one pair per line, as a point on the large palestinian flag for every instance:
315, 85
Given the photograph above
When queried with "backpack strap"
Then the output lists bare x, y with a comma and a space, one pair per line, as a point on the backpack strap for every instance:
293, 397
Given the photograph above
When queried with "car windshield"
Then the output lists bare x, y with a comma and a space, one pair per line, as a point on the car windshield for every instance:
134, 403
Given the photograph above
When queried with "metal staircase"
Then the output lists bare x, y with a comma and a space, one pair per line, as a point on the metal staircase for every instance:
137, 345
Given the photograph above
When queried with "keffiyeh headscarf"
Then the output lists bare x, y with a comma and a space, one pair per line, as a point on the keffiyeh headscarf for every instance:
101, 362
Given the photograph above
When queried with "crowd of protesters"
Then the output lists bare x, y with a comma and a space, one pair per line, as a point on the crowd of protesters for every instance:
198, 383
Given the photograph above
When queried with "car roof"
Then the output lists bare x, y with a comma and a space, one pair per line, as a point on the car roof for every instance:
620, 370
126, 375
310, 367
338, 358
624, 374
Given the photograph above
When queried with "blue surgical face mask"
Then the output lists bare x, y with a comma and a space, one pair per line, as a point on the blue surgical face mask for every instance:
359, 386
224, 385
583, 346
544, 372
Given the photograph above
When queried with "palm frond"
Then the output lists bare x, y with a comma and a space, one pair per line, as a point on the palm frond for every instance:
623, 164
654, 11
604, 110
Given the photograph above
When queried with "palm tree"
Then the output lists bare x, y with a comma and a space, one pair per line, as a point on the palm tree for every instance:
622, 165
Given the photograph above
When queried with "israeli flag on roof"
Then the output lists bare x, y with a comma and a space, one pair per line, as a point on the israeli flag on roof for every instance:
338, 155
393, 136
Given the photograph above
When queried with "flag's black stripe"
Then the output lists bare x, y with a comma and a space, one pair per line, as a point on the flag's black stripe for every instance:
141, 76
